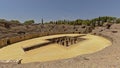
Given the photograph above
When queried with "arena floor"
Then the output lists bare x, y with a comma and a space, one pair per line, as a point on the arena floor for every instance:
53, 51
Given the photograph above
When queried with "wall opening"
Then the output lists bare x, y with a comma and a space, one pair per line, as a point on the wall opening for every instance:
8, 42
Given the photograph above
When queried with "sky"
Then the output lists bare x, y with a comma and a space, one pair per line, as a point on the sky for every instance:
23, 10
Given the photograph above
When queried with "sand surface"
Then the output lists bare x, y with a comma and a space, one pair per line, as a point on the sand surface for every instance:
53, 51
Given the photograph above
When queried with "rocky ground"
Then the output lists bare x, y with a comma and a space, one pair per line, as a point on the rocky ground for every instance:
107, 58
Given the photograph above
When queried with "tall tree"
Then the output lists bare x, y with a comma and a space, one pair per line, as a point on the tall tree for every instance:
42, 21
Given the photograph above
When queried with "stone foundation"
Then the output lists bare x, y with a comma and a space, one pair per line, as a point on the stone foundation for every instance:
66, 40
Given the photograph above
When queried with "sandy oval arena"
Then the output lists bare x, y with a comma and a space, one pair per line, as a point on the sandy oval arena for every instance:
52, 51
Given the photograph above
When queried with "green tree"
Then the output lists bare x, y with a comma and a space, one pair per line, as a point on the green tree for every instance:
86, 22
78, 22
15, 21
3, 20
29, 22
118, 20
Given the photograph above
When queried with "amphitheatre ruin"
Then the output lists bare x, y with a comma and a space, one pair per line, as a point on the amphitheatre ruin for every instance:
59, 45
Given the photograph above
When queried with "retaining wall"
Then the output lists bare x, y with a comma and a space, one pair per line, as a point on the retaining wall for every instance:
14, 39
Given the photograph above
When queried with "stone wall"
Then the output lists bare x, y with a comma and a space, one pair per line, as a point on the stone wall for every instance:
3, 42
42, 30
11, 61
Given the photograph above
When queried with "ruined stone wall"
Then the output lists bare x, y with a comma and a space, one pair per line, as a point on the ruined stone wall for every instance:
44, 31
3, 42
14, 39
